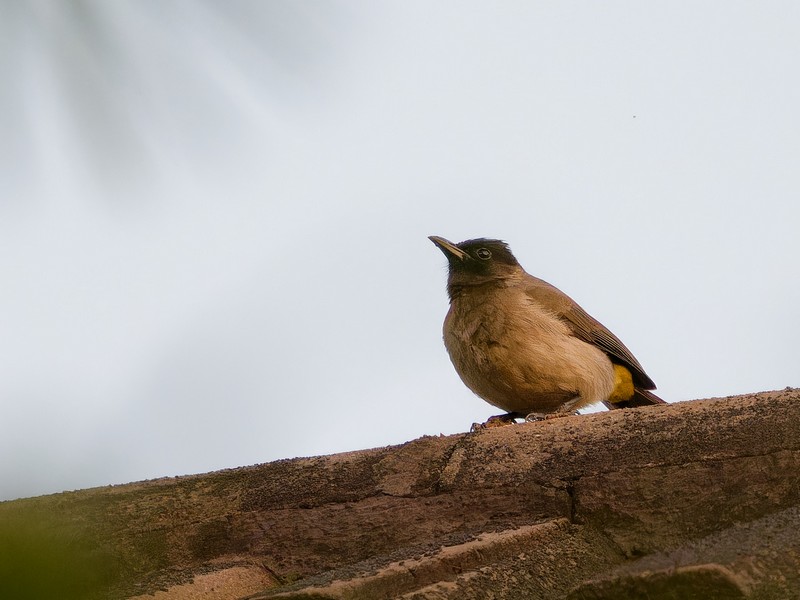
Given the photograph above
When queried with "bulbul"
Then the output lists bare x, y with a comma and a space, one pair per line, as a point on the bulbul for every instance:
526, 347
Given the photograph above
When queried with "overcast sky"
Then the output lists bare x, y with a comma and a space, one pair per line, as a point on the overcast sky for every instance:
214, 215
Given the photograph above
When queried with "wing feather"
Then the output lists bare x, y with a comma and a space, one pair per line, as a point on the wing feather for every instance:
587, 328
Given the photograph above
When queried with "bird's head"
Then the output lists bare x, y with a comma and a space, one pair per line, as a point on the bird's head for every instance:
478, 261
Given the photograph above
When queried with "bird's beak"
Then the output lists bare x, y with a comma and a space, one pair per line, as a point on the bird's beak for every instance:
448, 247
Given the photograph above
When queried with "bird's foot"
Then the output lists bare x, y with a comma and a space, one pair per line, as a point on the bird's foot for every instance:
534, 417
495, 421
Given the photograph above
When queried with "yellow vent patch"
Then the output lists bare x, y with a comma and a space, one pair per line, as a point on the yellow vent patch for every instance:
623, 385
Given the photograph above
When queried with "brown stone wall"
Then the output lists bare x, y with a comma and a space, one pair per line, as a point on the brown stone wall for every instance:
650, 502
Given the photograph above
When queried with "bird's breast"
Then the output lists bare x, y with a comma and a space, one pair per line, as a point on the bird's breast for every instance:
505, 319
518, 355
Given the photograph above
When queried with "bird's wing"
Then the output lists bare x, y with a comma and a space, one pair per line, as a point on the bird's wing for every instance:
587, 328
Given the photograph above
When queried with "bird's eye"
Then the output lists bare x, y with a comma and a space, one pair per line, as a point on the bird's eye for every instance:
483, 253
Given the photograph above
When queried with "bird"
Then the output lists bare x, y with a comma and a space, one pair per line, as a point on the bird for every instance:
524, 346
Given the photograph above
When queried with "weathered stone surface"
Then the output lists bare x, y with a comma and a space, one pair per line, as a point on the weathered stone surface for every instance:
631, 503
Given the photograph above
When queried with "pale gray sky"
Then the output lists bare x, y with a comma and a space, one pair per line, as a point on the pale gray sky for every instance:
214, 215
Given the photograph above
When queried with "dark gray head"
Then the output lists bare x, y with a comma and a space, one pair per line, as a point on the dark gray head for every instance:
474, 262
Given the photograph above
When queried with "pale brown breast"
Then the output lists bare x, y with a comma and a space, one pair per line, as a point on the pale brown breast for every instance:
520, 357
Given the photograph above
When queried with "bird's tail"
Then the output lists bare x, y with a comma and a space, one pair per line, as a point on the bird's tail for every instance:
640, 398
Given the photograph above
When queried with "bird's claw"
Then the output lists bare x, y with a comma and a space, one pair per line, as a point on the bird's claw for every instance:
534, 416
495, 421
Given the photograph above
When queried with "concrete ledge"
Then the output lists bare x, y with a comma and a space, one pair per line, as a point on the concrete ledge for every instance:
694, 495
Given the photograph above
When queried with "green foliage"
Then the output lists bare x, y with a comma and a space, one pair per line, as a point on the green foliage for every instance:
39, 561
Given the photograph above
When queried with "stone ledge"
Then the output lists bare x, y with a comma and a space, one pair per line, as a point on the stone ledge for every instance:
690, 494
